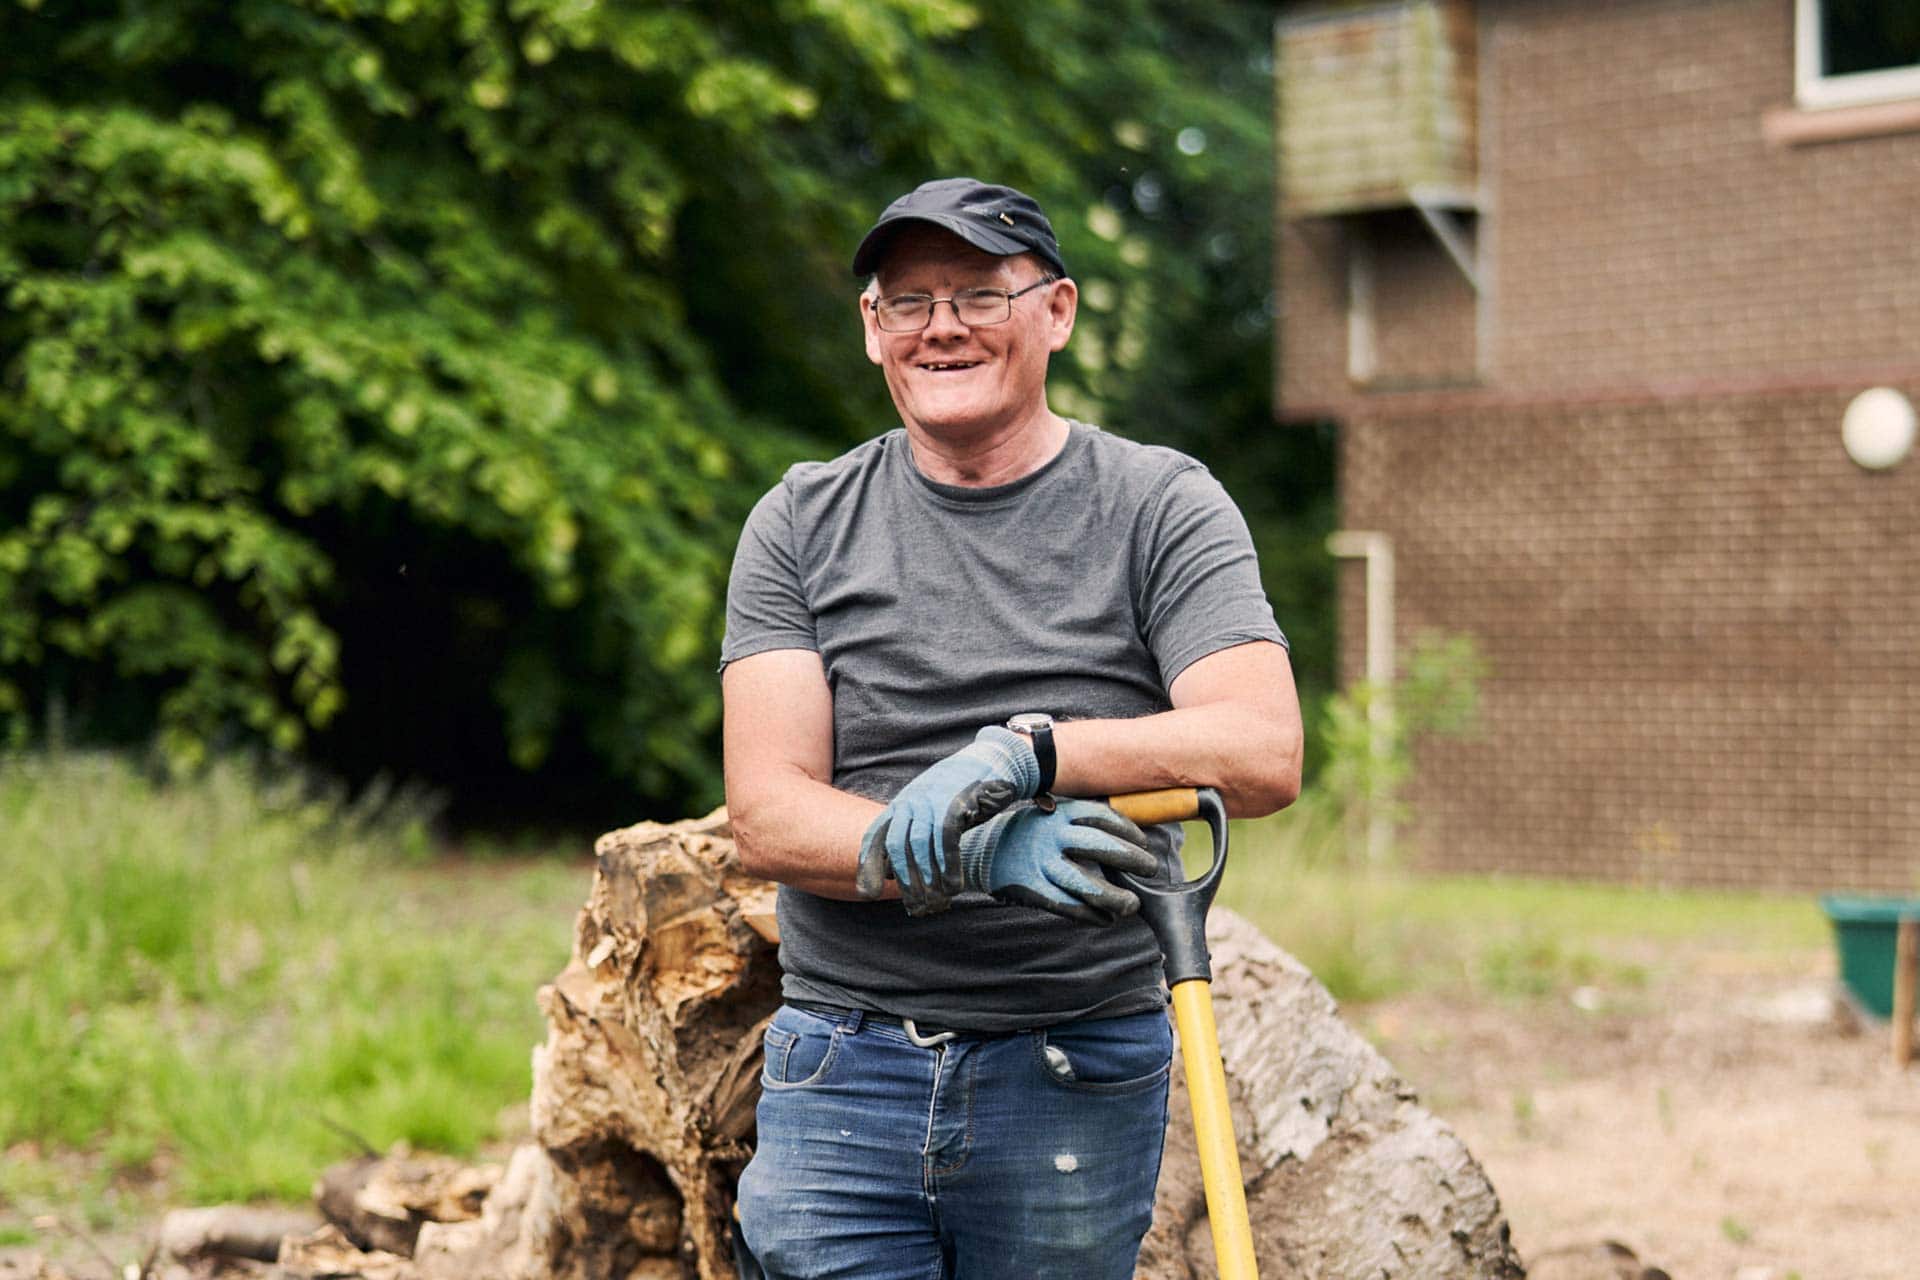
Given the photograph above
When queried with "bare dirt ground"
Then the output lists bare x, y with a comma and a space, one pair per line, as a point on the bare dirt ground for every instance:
1729, 1120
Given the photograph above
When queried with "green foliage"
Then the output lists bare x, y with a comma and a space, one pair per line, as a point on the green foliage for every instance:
1367, 738
1532, 963
195, 974
388, 378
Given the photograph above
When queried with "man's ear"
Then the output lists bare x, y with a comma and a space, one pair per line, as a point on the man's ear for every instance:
868, 323
1063, 304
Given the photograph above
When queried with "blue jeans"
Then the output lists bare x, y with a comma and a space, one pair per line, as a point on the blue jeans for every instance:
1023, 1156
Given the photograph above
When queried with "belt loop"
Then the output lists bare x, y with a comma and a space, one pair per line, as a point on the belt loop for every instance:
855, 1017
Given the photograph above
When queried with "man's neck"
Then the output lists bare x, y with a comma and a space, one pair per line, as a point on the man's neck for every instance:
998, 457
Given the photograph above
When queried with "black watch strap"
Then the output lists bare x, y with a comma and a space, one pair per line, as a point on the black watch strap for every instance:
1039, 728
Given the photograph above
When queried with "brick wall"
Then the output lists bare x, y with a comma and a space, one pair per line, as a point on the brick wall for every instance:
1637, 226
1700, 617
1422, 308
1645, 228
1697, 610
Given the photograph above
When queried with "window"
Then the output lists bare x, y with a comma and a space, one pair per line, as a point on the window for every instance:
1856, 51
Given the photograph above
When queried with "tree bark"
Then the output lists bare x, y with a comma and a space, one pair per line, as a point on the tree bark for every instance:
644, 1093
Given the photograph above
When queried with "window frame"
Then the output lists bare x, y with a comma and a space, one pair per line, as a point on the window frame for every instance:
1812, 89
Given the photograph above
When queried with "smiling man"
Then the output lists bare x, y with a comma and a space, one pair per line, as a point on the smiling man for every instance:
929, 639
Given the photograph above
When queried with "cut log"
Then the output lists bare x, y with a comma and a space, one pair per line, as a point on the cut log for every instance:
329, 1254
231, 1230
383, 1203
644, 1094
1607, 1260
1346, 1174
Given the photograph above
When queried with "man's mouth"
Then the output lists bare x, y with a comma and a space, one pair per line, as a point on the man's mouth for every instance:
949, 366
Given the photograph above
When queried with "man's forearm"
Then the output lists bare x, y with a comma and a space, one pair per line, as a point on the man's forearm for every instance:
802, 832
789, 823
1235, 726
1251, 757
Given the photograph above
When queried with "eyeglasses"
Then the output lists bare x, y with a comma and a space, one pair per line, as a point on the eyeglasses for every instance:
912, 312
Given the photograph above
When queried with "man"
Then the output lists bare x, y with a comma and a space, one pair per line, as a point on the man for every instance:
969, 1075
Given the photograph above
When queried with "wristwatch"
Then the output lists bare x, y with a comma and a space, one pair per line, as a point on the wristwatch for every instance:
1038, 726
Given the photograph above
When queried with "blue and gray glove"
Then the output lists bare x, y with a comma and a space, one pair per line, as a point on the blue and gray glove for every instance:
916, 839
1051, 856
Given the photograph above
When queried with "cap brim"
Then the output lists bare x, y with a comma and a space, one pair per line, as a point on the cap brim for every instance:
868, 255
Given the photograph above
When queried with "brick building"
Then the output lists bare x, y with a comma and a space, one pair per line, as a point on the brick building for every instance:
1588, 287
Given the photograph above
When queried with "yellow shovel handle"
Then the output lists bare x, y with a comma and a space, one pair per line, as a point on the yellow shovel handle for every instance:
1199, 1040
1174, 804
1213, 1129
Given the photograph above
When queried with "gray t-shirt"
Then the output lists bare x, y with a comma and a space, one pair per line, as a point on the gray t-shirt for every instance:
1080, 590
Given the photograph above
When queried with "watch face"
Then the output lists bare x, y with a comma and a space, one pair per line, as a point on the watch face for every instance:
1028, 721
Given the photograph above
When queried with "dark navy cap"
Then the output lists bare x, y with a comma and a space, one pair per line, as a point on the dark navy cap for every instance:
997, 219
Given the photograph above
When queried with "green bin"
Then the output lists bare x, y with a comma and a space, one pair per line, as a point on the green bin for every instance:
1866, 930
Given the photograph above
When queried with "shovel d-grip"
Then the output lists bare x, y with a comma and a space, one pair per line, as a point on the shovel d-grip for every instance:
1176, 911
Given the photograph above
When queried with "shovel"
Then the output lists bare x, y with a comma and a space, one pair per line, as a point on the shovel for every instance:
1177, 914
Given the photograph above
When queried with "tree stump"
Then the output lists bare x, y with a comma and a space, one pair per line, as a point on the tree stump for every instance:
644, 1092
643, 1098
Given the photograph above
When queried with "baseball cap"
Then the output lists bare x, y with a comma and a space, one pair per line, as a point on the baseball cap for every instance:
994, 218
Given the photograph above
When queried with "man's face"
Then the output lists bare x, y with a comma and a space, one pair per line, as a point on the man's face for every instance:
962, 382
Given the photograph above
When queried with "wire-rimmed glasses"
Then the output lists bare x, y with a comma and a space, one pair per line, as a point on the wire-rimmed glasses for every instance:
912, 312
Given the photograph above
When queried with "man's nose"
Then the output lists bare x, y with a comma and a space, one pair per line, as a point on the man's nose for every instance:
946, 321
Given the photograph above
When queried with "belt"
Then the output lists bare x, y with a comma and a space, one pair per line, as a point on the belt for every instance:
923, 1034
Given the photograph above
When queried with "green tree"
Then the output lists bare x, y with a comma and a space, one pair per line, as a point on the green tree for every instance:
387, 379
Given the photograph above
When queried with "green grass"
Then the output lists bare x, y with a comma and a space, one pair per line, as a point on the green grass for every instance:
202, 980
1372, 933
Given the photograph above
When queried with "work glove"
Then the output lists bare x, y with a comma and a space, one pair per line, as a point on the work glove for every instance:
916, 839
1052, 856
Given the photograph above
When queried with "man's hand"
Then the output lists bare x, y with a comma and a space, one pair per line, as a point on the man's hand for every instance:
916, 839
1051, 858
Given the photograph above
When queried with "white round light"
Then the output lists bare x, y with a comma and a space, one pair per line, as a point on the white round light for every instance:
1878, 428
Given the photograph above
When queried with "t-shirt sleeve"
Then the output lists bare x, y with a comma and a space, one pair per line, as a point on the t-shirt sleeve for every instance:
766, 601
1200, 579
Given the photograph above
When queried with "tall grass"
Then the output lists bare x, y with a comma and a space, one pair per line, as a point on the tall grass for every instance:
216, 977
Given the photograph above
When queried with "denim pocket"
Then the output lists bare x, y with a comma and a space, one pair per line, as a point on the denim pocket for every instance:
1107, 1055
797, 1057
